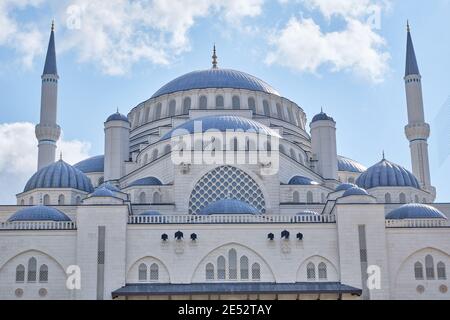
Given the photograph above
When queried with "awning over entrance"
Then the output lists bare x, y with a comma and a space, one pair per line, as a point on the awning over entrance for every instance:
149, 289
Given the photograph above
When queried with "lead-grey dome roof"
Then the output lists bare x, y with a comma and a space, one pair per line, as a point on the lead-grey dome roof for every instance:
59, 175
215, 78
38, 213
91, 165
415, 211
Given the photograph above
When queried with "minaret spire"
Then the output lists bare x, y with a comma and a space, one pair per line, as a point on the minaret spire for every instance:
214, 57
48, 131
411, 61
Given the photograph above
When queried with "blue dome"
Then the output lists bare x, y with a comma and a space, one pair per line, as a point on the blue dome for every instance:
220, 123
102, 192
322, 117
349, 165
38, 213
109, 186
117, 117
94, 164
387, 174
215, 78
150, 213
149, 181
302, 181
59, 175
345, 187
229, 206
355, 192
415, 211
307, 213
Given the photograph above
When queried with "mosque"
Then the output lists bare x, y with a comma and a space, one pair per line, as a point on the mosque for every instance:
215, 188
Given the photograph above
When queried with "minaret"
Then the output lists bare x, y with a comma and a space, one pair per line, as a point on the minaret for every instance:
47, 131
417, 131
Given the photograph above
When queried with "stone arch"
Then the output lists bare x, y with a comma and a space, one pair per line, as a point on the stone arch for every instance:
332, 271
132, 270
267, 274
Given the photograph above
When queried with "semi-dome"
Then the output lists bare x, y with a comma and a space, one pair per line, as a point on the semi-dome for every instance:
148, 181
108, 185
220, 123
387, 174
415, 211
92, 165
117, 117
228, 206
102, 192
349, 165
345, 187
322, 116
215, 78
355, 192
302, 181
38, 213
59, 175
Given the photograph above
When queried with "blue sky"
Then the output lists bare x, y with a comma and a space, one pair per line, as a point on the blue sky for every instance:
340, 55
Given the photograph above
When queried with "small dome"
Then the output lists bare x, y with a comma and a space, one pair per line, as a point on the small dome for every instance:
322, 117
102, 192
38, 213
150, 213
307, 213
215, 78
349, 165
355, 192
387, 174
149, 181
59, 175
415, 211
109, 186
345, 187
117, 117
91, 165
221, 124
302, 181
229, 206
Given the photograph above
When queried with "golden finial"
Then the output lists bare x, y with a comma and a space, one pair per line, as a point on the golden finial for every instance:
214, 57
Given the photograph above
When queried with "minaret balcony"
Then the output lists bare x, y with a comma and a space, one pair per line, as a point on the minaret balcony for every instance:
50, 132
417, 131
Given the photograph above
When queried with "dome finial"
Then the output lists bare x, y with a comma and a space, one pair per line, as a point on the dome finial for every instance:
407, 26
53, 25
384, 156
214, 57
60, 156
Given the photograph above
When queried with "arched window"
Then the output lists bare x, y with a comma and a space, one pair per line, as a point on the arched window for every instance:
20, 273
311, 271
322, 271
46, 200
402, 198
61, 200
203, 104
387, 198
296, 197
186, 105
209, 271
418, 271
424, 200
142, 272
146, 158
441, 271
416, 198
244, 268
31, 201
156, 197
266, 108
351, 180
293, 155
252, 105
309, 197
78, 200
232, 264
155, 154
221, 268
172, 108
256, 271
43, 274
429, 267
279, 111
142, 198
220, 104
282, 149
22, 202
146, 115
101, 180
167, 149
291, 115
154, 272
32, 265
138, 115
158, 111
236, 103
300, 158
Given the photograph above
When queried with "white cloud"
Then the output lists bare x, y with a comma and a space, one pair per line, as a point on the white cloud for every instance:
303, 46
18, 156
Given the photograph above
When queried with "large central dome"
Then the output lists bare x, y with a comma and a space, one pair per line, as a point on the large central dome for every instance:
215, 78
